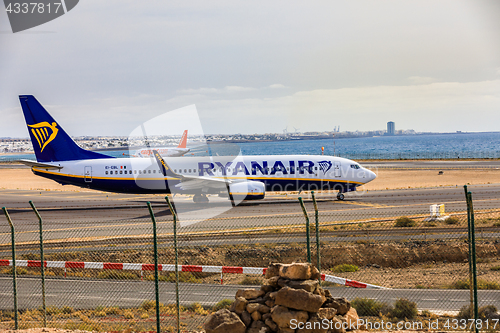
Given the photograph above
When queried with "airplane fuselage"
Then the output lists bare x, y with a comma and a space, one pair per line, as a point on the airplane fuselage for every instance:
277, 172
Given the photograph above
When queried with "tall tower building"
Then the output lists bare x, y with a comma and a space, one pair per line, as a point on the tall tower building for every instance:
391, 128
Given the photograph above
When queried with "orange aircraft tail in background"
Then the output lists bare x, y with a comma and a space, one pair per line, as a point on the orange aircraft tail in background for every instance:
183, 142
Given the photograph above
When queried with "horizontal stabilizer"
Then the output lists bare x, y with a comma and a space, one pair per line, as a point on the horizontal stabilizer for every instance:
39, 165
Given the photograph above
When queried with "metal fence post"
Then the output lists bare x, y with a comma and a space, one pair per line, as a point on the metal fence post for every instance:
155, 249
308, 236
318, 248
472, 257
469, 241
474, 267
14, 272
42, 263
174, 215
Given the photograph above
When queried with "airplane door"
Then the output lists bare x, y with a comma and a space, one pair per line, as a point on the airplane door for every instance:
336, 170
87, 174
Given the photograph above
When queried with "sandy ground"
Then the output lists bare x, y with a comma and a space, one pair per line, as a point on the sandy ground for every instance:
392, 179
24, 179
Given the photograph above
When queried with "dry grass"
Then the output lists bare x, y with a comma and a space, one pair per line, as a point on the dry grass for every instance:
112, 319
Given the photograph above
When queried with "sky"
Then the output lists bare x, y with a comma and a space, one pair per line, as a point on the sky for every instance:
249, 67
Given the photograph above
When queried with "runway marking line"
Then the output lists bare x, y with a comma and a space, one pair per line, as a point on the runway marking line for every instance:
368, 204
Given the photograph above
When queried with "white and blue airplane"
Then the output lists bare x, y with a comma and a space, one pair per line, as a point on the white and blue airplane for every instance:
59, 158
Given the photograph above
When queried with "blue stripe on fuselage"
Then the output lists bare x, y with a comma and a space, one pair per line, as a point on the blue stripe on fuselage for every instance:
158, 186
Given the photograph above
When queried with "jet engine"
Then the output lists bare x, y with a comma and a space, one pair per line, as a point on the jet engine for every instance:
250, 190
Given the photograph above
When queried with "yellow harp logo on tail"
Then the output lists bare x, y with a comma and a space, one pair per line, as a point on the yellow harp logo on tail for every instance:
44, 133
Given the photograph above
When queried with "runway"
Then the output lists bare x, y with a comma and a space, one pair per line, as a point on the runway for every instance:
95, 215
89, 294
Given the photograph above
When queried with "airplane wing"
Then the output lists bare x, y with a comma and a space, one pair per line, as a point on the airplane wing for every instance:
39, 165
189, 182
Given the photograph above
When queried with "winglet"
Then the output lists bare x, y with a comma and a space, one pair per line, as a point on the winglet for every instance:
165, 169
183, 142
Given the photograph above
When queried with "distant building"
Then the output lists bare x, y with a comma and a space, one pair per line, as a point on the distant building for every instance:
391, 128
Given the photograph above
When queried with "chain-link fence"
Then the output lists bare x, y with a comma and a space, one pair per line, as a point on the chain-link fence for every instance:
99, 271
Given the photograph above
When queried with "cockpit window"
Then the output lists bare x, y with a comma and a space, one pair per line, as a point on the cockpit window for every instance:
355, 166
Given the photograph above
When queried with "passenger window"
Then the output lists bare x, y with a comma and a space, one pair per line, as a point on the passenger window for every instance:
135, 171
189, 170
106, 172
149, 171
144, 171
185, 171
116, 172
154, 171
315, 168
121, 172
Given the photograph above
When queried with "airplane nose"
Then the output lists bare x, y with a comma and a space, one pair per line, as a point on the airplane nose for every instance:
370, 175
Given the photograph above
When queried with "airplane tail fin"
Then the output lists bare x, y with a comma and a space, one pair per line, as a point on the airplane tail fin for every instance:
183, 142
50, 141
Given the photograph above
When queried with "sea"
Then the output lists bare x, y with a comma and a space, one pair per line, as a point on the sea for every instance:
428, 146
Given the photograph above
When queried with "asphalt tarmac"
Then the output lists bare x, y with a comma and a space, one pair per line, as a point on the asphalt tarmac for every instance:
94, 217
91, 215
89, 294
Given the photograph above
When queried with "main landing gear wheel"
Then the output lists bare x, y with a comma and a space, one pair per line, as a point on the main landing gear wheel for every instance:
340, 196
200, 198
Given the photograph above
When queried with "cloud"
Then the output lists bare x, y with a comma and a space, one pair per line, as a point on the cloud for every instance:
498, 71
226, 89
198, 91
421, 79
237, 89
437, 106
277, 86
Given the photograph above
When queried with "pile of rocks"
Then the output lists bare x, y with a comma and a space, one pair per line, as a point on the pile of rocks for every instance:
291, 300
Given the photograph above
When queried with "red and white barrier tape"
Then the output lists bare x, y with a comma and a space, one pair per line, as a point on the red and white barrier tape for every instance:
171, 268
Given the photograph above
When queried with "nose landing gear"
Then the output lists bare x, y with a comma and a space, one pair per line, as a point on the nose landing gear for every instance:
340, 196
